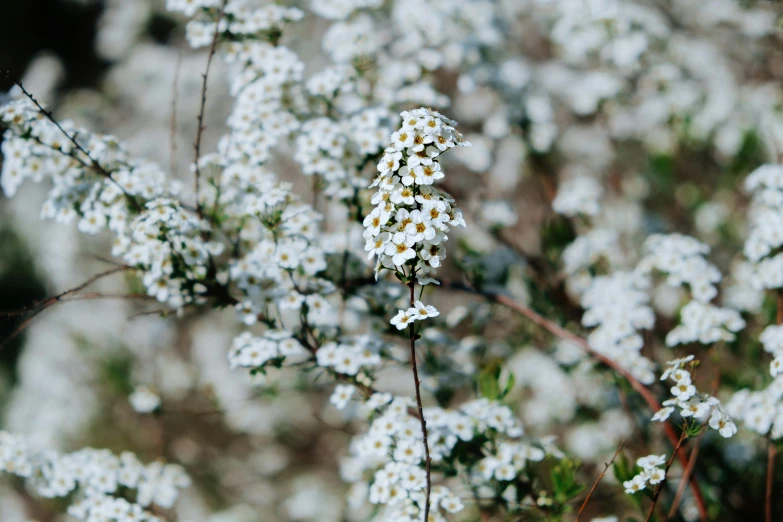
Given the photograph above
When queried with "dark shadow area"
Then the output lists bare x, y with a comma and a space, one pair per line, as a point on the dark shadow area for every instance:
66, 29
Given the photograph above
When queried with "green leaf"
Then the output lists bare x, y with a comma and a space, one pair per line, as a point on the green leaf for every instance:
509, 385
488, 385
564, 481
623, 469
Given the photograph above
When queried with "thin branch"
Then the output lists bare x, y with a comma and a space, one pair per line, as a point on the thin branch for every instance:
157, 311
685, 476
94, 164
44, 304
91, 296
658, 490
19, 329
199, 133
107, 260
55, 298
173, 120
316, 192
595, 484
772, 452
417, 382
562, 333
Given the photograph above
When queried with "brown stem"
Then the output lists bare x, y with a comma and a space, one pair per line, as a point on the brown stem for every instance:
40, 306
666, 472
779, 315
199, 133
595, 484
173, 119
417, 383
91, 296
316, 192
685, 476
772, 451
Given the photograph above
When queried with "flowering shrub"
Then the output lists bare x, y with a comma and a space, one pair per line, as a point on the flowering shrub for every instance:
589, 212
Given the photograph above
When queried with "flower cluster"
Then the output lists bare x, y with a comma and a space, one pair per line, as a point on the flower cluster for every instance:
97, 475
282, 270
681, 258
760, 411
167, 245
618, 306
274, 346
691, 403
509, 461
706, 324
766, 226
740, 292
386, 463
408, 226
335, 150
357, 357
585, 252
342, 9
418, 312
652, 473
772, 340
580, 195
240, 19
393, 452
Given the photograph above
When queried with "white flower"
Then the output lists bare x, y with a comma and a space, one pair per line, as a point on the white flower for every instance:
419, 227
144, 400
776, 366
402, 139
421, 311
409, 451
402, 196
580, 195
721, 422
452, 504
427, 174
695, 408
92, 222
413, 479
636, 484
400, 249
402, 319
342, 394
651, 461
655, 475
377, 245
505, 472
663, 414
684, 391
389, 163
